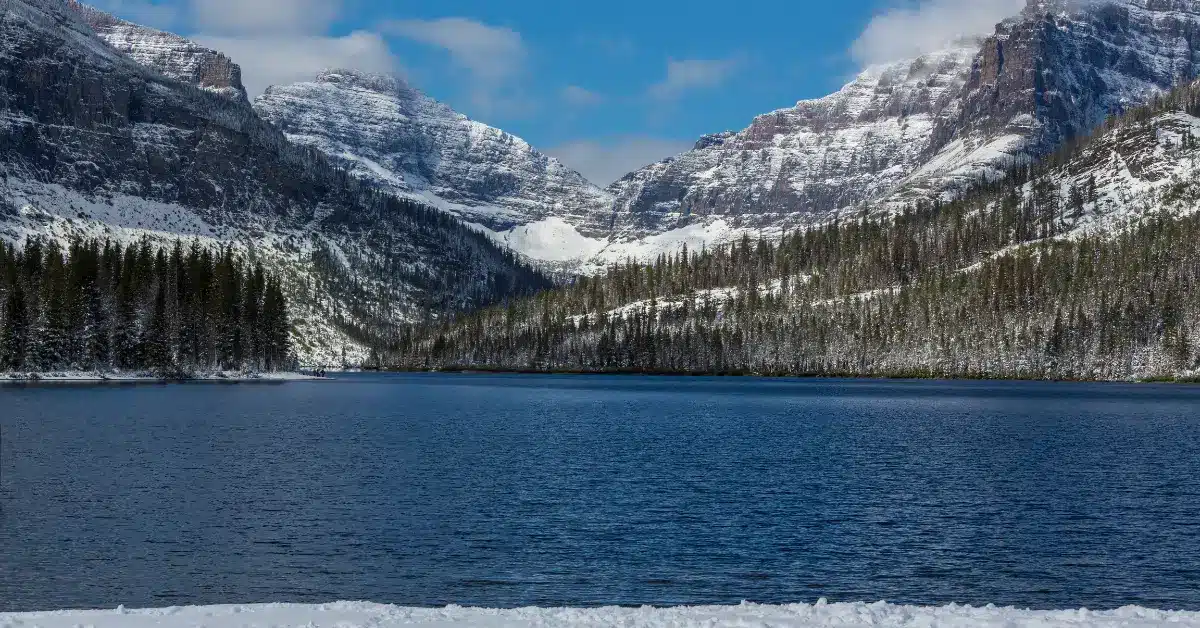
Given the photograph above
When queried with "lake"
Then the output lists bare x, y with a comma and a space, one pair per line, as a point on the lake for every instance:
526, 490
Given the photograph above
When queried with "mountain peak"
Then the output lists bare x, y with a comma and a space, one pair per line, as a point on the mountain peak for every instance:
384, 83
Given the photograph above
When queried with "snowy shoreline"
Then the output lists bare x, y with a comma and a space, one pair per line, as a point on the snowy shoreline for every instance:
362, 614
117, 377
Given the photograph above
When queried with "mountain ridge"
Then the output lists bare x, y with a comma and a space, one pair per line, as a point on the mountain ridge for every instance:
899, 133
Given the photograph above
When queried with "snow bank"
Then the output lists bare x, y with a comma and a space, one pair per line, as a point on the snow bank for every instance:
359, 614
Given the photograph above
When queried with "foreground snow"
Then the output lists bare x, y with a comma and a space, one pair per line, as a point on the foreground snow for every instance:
360, 614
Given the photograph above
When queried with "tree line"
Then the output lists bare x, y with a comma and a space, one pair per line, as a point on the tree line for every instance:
99, 306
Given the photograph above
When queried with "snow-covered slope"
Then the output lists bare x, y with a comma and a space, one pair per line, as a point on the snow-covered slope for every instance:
386, 131
1141, 167
170, 54
819, 615
144, 155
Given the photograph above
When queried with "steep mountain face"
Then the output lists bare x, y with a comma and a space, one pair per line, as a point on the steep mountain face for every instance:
170, 54
385, 131
787, 168
926, 127
805, 163
94, 144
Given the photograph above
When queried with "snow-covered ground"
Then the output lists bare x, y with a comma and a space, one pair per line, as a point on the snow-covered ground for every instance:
360, 614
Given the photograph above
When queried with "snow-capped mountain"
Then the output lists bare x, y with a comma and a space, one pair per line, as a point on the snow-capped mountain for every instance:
917, 129
385, 131
96, 142
174, 56
913, 129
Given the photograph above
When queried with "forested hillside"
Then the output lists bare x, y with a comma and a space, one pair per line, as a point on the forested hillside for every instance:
98, 306
1082, 267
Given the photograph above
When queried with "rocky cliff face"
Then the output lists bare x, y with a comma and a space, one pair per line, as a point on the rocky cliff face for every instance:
167, 53
385, 131
1054, 73
94, 144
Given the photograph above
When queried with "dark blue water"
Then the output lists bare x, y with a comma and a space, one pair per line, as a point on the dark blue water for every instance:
505, 491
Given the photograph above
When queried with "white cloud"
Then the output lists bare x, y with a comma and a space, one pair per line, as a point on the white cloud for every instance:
490, 53
580, 97
493, 56
907, 31
688, 74
281, 59
605, 161
264, 16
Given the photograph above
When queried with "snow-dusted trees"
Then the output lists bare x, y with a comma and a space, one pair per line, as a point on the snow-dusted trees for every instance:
100, 305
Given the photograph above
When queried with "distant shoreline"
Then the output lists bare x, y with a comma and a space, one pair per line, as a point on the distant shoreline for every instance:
94, 377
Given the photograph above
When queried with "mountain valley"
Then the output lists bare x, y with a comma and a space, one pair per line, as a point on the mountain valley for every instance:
379, 207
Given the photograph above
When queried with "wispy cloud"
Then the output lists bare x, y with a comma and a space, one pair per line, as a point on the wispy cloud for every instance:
580, 97
494, 56
912, 29
689, 74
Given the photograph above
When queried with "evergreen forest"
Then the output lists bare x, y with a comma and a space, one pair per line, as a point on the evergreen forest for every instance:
101, 306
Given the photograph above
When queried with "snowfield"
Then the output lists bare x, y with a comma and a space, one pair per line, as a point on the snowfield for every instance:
361, 614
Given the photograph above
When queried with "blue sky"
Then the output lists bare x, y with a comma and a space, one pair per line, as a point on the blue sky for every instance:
606, 86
